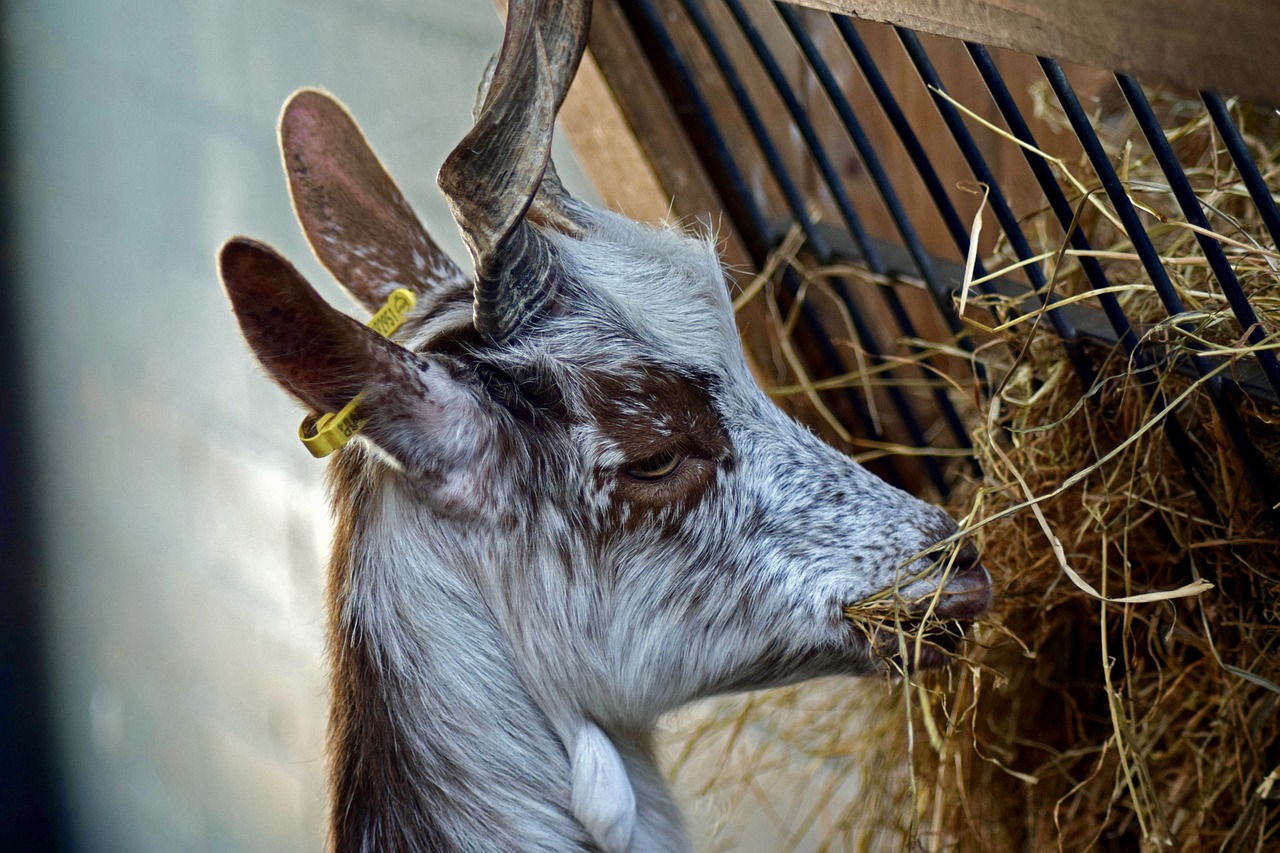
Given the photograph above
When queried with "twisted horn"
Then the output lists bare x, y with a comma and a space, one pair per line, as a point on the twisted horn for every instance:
493, 175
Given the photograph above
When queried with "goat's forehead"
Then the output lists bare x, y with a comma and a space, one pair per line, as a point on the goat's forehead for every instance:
662, 288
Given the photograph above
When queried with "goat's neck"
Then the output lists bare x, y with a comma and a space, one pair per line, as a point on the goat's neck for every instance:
436, 744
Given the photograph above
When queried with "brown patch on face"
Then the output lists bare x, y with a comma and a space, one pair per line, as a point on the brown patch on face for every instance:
655, 419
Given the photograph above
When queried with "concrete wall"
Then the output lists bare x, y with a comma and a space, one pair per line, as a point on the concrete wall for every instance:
185, 528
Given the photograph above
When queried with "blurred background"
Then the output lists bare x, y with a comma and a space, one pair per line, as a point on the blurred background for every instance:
163, 536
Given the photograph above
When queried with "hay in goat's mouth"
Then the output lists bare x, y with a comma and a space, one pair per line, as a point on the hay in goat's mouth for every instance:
1124, 692
909, 634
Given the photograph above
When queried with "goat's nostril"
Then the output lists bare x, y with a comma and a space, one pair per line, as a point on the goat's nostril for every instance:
956, 585
968, 559
956, 562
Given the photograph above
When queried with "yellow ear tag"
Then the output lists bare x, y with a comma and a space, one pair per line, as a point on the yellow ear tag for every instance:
329, 431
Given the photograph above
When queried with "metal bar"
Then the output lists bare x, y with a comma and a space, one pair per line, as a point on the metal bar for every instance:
810, 136
796, 204
1125, 335
955, 226
1248, 169
971, 152
847, 212
1004, 214
794, 199
1190, 204
1255, 469
879, 177
1052, 191
694, 110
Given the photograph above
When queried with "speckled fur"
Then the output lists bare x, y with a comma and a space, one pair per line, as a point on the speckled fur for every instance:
511, 609
515, 599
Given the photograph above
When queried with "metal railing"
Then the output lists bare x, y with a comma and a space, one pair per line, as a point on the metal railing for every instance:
742, 149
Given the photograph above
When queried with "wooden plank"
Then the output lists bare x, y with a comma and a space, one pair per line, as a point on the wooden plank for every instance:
1230, 46
656, 128
607, 150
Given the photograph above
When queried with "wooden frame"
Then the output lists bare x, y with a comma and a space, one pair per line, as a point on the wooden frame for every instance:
1229, 46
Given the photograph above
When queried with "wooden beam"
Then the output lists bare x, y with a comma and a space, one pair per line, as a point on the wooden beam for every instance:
1229, 46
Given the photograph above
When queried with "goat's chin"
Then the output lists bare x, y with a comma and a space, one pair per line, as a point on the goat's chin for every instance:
856, 659
905, 647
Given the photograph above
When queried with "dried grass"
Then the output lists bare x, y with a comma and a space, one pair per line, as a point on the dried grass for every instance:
1123, 694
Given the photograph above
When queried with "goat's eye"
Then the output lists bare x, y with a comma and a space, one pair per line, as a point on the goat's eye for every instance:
655, 467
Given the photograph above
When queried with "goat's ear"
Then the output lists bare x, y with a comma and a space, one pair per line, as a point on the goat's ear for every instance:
317, 354
418, 411
359, 225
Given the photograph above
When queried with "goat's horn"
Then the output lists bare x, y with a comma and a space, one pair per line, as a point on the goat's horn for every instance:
564, 26
492, 176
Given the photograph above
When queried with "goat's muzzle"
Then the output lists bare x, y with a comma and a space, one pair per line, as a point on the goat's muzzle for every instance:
923, 623
960, 589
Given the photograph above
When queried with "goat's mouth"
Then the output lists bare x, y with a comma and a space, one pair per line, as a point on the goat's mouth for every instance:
920, 625
906, 645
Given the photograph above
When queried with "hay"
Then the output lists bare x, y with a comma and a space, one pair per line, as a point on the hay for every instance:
1125, 692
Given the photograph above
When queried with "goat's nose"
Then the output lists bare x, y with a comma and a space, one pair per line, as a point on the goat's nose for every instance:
963, 592
967, 593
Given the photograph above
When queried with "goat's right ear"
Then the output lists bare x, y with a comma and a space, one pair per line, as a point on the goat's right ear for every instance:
419, 412
358, 223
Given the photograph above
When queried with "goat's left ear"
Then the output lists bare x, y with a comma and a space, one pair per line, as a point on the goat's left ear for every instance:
420, 411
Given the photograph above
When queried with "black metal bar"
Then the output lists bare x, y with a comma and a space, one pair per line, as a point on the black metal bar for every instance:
1053, 193
796, 204
1182, 445
1190, 204
1142, 245
695, 113
1255, 468
853, 222
798, 114
1245, 164
722, 167
755, 123
879, 177
906, 134
995, 196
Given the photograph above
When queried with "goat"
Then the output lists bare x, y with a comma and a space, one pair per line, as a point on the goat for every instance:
570, 508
